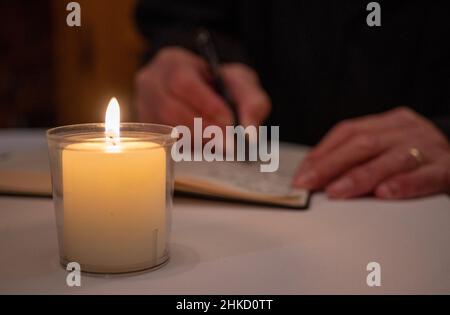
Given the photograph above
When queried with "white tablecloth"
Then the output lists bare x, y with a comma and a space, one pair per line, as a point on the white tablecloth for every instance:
227, 248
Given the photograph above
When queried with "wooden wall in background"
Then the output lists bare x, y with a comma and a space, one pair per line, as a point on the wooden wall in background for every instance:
26, 76
96, 61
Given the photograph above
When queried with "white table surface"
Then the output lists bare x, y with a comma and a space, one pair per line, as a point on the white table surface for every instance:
226, 248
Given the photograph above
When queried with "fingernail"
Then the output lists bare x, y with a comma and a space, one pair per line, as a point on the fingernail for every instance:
387, 190
341, 188
306, 180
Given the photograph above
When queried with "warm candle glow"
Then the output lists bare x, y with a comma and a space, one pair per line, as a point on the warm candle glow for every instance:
112, 121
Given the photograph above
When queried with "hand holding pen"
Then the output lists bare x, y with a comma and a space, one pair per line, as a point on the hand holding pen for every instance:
176, 86
237, 78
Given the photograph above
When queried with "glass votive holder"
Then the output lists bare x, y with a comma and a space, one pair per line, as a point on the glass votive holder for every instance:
112, 200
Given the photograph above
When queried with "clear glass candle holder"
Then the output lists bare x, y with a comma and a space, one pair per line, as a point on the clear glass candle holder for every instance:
112, 198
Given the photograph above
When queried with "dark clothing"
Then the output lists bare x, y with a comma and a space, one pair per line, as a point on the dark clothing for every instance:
319, 60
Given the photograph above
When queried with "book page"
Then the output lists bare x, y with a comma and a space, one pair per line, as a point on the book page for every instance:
245, 176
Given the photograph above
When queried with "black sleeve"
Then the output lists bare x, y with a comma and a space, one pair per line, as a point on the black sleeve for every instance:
432, 84
176, 22
443, 123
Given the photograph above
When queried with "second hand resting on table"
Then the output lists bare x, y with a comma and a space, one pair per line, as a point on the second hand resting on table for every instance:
394, 155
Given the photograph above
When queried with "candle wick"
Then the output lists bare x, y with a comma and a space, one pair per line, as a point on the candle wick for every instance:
112, 139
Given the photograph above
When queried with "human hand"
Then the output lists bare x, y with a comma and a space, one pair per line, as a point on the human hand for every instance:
175, 87
396, 154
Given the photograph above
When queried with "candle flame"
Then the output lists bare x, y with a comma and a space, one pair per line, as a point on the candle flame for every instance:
112, 120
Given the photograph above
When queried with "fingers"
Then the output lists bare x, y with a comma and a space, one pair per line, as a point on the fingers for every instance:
317, 173
372, 154
187, 85
184, 78
174, 112
395, 118
363, 179
174, 86
254, 107
427, 180
252, 101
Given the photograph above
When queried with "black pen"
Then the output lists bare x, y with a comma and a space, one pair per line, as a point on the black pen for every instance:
208, 50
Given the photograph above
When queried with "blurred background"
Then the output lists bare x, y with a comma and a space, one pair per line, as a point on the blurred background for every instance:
53, 74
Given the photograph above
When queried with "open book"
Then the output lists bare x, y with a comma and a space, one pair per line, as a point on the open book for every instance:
27, 173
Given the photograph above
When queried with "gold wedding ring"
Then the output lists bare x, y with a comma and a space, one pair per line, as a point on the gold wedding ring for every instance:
417, 155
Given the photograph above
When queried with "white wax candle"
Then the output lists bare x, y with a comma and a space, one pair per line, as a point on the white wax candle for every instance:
114, 205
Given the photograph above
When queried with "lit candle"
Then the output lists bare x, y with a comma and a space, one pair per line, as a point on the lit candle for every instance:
114, 201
